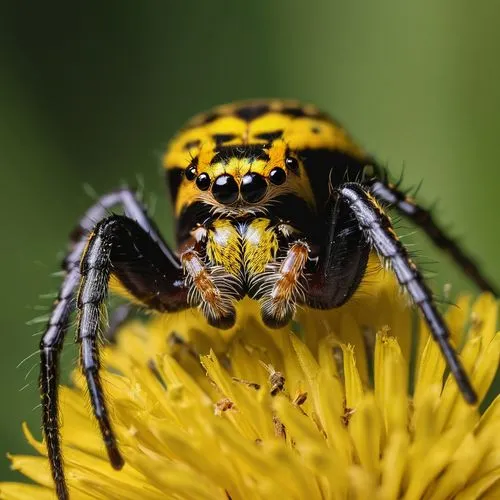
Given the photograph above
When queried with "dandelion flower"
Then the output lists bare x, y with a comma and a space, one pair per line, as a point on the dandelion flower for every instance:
335, 409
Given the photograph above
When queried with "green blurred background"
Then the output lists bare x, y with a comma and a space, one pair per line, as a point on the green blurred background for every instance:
91, 91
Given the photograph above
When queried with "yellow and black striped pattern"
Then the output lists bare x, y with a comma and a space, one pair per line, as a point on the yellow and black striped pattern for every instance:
278, 126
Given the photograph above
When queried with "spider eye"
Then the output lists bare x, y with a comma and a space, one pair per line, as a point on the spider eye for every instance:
225, 189
203, 181
277, 176
253, 187
292, 163
190, 173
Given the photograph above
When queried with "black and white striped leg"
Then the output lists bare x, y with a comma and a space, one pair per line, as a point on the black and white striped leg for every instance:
422, 217
119, 246
379, 232
53, 338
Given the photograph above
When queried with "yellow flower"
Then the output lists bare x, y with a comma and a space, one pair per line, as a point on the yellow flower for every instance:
281, 415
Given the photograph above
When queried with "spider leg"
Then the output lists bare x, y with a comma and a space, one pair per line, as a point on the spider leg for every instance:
281, 287
50, 349
323, 280
118, 246
342, 260
389, 193
378, 230
53, 338
212, 289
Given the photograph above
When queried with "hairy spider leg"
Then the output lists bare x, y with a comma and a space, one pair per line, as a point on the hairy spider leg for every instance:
283, 286
119, 246
380, 234
53, 338
422, 217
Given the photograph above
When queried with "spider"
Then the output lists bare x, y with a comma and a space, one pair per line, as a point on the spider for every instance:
274, 201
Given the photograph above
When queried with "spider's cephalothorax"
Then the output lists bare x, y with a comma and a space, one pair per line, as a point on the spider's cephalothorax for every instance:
273, 201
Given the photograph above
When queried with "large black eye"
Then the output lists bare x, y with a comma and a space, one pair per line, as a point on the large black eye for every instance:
277, 176
225, 189
190, 173
253, 187
292, 163
203, 181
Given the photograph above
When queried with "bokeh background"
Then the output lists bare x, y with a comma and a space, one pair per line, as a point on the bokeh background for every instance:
91, 91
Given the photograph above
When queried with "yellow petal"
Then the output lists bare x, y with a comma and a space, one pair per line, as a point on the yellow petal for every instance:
484, 317
365, 428
463, 464
353, 386
427, 464
394, 461
484, 486
429, 372
391, 383
18, 491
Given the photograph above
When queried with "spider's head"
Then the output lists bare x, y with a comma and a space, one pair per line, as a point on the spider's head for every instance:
247, 177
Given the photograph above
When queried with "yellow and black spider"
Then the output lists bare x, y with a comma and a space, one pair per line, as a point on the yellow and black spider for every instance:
272, 201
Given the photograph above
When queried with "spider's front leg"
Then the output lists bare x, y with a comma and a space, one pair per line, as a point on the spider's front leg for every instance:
119, 247
377, 230
163, 267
